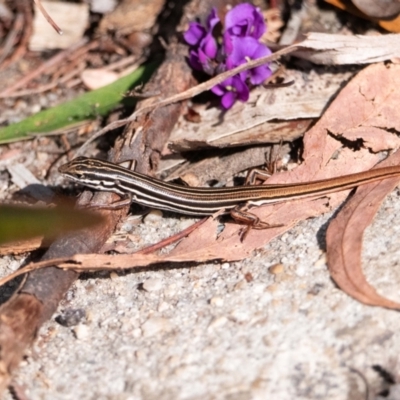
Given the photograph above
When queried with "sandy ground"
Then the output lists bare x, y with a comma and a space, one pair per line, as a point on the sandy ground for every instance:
273, 326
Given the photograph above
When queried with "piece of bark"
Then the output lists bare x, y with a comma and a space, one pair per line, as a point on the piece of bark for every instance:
222, 165
270, 115
22, 246
327, 49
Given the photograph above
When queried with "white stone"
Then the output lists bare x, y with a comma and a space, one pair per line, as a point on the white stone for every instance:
217, 301
153, 217
217, 322
152, 285
81, 331
156, 325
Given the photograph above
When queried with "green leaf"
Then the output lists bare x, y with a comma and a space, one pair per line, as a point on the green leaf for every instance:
87, 106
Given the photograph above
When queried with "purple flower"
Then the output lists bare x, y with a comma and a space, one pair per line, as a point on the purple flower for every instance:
230, 90
203, 42
245, 49
214, 51
245, 20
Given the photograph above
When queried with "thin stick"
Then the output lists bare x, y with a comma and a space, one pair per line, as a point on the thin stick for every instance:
48, 18
171, 239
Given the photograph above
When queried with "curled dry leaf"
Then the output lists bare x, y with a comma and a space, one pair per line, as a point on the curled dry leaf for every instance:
344, 240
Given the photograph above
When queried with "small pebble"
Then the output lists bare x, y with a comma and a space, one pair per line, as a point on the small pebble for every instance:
152, 285
164, 306
171, 290
190, 179
217, 323
300, 271
217, 301
185, 223
113, 275
156, 325
321, 262
258, 287
153, 217
225, 265
35, 108
71, 317
136, 333
81, 331
265, 298
248, 276
241, 285
127, 227
239, 315
276, 269
141, 355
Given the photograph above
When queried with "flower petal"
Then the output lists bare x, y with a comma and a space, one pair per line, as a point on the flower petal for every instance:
212, 19
241, 88
209, 46
194, 34
219, 90
259, 74
228, 99
245, 20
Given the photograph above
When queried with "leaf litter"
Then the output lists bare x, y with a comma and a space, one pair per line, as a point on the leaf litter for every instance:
345, 140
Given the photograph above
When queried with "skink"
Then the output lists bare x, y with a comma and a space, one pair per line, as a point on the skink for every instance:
198, 201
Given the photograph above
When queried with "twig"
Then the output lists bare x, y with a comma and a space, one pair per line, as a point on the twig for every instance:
12, 36
171, 239
48, 18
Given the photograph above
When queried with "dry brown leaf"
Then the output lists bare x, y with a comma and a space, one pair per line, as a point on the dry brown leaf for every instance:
344, 239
